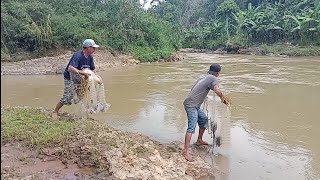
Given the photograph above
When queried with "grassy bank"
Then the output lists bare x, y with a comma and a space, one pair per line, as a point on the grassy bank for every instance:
34, 128
91, 143
288, 50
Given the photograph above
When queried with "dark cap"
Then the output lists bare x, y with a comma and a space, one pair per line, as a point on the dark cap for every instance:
214, 68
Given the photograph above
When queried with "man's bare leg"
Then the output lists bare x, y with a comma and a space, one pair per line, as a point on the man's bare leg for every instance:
56, 110
199, 140
186, 152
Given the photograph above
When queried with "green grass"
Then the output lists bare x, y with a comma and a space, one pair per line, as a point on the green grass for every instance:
33, 127
290, 50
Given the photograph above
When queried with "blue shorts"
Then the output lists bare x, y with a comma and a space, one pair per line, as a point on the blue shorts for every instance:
195, 114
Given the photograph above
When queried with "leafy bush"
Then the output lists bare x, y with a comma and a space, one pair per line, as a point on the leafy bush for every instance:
36, 26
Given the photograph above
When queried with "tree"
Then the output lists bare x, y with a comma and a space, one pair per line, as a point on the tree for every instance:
225, 11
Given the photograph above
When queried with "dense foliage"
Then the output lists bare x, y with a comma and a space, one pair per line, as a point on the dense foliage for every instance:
214, 23
122, 25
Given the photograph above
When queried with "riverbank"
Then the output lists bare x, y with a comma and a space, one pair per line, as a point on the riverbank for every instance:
103, 58
56, 64
35, 146
277, 50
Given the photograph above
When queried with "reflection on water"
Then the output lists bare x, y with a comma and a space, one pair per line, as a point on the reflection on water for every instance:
274, 117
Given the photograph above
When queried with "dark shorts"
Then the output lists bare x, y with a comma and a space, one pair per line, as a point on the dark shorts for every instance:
196, 115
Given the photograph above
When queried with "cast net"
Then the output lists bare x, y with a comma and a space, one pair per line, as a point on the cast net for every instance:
218, 122
89, 95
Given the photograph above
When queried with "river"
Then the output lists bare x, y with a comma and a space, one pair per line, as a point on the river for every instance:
274, 116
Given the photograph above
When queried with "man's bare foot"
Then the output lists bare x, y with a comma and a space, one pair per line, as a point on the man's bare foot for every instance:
201, 142
187, 156
54, 115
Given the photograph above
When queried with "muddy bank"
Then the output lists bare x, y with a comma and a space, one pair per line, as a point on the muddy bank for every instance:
96, 151
19, 162
56, 64
276, 50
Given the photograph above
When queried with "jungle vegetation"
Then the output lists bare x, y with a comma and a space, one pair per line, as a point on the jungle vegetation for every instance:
122, 25
154, 33
213, 23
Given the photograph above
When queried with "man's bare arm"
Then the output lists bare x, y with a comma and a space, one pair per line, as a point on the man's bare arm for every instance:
224, 99
217, 90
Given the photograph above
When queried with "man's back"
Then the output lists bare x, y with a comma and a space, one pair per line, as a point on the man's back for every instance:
200, 90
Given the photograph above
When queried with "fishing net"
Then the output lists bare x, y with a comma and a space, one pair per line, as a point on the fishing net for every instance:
89, 95
218, 113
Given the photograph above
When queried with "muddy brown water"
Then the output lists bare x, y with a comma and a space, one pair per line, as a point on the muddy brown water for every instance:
274, 118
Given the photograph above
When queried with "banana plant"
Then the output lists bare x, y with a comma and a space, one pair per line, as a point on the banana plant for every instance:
305, 26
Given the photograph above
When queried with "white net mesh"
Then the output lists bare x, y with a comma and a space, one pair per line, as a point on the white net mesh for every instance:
89, 95
219, 122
